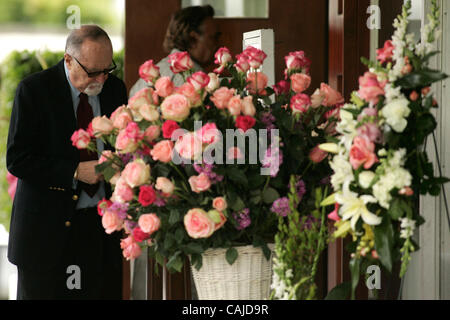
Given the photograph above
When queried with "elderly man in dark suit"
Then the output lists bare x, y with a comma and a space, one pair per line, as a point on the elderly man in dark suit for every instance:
56, 237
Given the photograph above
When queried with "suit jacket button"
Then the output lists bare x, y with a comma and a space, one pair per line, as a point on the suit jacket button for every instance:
74, 197
67, 223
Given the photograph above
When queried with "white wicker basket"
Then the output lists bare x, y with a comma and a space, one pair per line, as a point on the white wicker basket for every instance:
248, 278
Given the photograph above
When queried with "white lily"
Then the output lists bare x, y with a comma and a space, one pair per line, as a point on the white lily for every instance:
354, 207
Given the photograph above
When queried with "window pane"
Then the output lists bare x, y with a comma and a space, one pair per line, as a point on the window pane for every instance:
233, 8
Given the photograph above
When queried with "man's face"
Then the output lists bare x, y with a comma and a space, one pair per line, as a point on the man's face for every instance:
207, 42
93, 56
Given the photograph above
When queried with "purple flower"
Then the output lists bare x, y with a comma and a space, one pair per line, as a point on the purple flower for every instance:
309, 222
120, 209
242, 218
281, 207
301, 189
125, 157
130, 225
207, 169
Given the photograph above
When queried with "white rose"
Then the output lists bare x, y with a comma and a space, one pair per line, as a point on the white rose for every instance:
395, 113
365, 178
213, 83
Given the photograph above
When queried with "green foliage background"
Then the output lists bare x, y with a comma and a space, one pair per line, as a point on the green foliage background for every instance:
17, 66
53, 12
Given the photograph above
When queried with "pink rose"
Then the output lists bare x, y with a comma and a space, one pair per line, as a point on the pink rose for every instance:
235, 105
198, 224
101, 126
151, 133
139, 235
362, 152
80, 139
162, 151
199, 183
222, 56
168, 127
164, 87
122, 192
242, 65
317, 155
180, 62
136, 173
213, 83
175, 107
297, 61
189, 146
369, 88
257, 82
370, 129
300, 82
255, 56
121, 117
248, 108
199, 80
149, 223
386, 53
131, 249
148, 71
190, 93
165, 186
245, 122
149, 112
317, 98
222, 96
331, 96
234, 153
219, 203
111, 221
300, 103
209, 133
106, 155
281, 87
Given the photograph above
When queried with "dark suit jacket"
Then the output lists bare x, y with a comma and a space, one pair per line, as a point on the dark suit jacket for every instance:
41, 155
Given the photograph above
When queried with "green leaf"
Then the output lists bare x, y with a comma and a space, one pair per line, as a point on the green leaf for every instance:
169, 241
384, 242
175, 216
340, 292
193, 247
396, 209
237, 175
197, 261
270, 195
179, 235
354, 269
238, 204
231, 255
421, 78
175, 263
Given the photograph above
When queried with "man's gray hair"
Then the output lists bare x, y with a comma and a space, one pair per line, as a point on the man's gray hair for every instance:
77, 37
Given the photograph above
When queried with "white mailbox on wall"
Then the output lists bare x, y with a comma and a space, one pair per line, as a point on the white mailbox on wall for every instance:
263, 39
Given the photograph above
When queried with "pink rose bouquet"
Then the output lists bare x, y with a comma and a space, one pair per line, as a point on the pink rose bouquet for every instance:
199, 165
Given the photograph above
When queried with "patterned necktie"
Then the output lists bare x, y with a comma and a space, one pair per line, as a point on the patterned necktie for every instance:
84, 118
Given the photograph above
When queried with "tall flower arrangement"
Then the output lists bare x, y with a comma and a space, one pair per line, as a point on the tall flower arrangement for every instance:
380, 167
181, 183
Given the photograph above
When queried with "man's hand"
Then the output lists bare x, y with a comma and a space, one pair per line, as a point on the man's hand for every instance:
86, 172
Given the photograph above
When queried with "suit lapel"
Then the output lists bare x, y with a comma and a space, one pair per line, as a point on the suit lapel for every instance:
64, 98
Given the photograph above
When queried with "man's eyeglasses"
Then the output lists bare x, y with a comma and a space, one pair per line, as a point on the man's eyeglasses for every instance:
97, 73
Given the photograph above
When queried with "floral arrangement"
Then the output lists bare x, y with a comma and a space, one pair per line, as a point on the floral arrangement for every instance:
181, 185
380, 167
